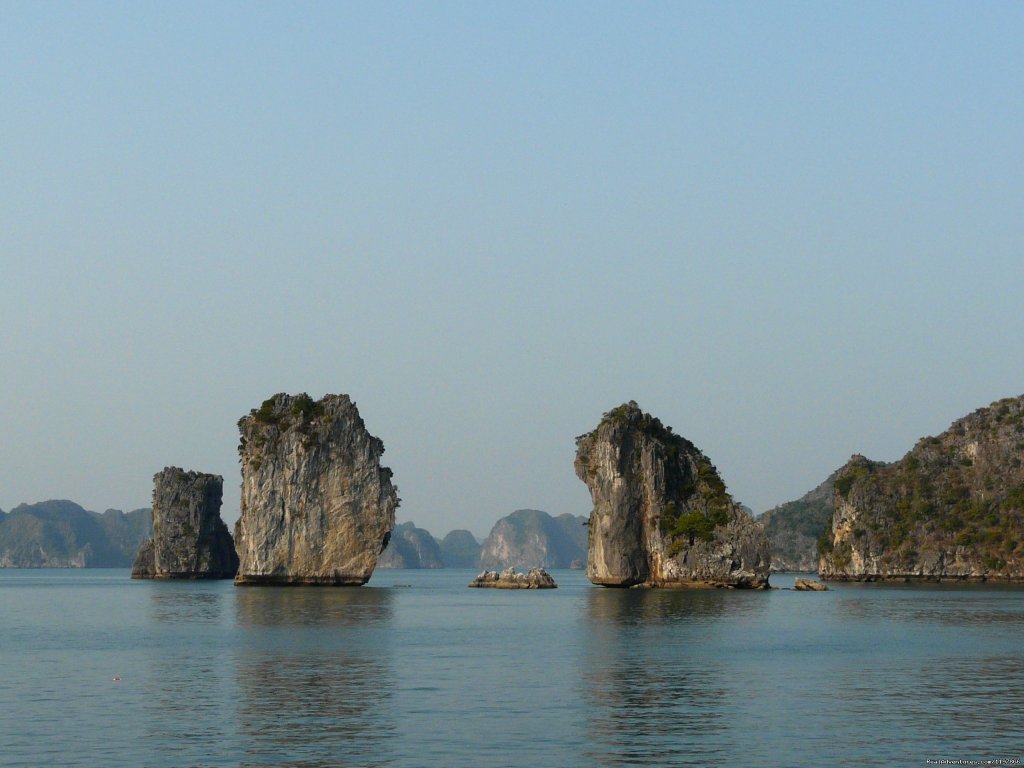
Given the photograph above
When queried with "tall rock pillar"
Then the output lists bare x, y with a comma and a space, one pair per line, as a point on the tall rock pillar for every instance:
190, 541
317, 506
662, 516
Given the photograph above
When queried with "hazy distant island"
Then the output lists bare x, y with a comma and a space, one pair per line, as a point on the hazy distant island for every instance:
460, 549
530, 538
411, 547
61, 534
795, 528
526, 538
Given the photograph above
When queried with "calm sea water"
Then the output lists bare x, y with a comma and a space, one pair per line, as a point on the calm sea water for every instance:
99, 670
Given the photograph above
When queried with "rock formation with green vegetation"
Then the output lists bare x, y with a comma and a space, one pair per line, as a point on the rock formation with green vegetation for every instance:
190, 541
317, 507
530, 538
460, 549
61, 534
411, 547
662, 515
794, 528
952, 508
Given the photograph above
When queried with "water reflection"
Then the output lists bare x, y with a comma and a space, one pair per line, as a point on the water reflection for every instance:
187, 682
643, 606
312, 606
957, 606
314, 676
655, 692
186, 602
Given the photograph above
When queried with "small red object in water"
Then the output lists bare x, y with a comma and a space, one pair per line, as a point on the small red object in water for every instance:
117, 679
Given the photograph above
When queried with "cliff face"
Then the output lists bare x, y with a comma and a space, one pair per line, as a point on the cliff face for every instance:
530, 538
662, 515
460, 549
317, 507
952, 508
190, 541
411, 547
61, 534
795, 527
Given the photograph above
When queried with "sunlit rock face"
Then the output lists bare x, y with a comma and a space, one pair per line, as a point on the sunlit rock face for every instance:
950, 509
317, 506
662, 516
190, 541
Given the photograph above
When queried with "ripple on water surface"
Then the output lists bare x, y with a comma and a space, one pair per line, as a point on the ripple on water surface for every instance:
435, 674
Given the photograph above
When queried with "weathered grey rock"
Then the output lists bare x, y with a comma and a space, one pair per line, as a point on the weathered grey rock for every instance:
144, 564
317, 507
190, 541
662, 516
809, 585
535, 578
952, 509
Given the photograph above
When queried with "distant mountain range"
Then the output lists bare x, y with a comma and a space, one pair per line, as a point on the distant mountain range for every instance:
61, 534
527, 538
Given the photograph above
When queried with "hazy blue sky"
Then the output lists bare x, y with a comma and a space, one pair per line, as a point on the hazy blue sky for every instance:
793, 231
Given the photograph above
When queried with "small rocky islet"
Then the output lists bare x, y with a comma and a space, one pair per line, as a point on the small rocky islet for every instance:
535, 578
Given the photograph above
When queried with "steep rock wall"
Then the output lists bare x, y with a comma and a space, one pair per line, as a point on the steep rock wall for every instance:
662, 515
190, 541
950, 509
317, 506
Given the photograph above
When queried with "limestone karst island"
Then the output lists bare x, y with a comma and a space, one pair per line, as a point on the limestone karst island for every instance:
318, 507
190, 541
951, 509
662, 516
